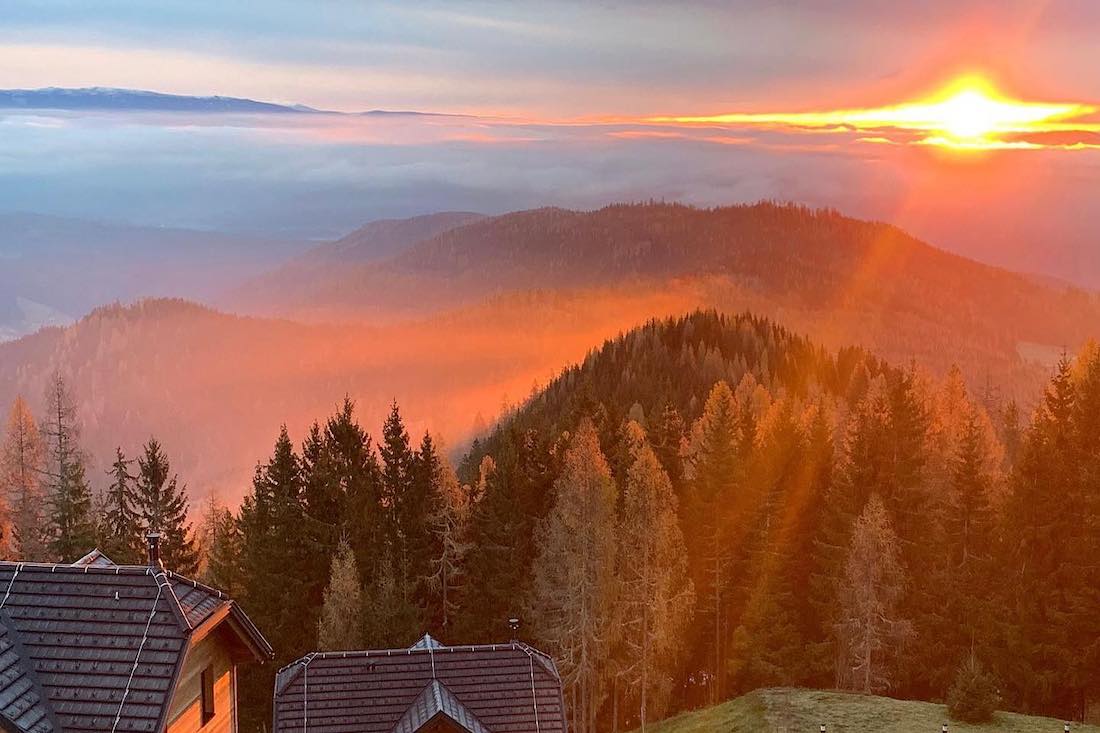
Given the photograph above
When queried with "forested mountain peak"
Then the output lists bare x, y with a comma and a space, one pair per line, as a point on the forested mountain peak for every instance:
672, 363
663, 239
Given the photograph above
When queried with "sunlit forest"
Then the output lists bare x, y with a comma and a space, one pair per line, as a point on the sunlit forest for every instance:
703, 506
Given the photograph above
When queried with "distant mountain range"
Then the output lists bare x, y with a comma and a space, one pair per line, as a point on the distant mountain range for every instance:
106, 98
54, 269
139, 100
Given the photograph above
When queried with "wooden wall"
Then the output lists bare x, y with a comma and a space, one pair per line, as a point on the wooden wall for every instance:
185, 713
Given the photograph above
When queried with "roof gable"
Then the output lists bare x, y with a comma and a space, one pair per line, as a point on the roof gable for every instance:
505, 688
434, 701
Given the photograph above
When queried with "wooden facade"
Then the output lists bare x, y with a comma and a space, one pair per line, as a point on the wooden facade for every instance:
210, 656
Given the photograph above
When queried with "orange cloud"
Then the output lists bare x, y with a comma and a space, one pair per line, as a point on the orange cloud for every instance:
968, 114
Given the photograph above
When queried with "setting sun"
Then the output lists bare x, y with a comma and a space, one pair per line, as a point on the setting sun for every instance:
968, 113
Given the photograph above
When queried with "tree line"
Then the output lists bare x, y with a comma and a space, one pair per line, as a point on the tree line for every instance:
704, 506
49, 511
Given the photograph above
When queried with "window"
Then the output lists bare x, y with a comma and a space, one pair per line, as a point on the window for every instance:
207, 695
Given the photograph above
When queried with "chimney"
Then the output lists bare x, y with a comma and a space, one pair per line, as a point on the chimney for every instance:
153, 541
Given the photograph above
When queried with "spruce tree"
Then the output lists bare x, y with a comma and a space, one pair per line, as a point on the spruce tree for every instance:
402, 500
969, 535
343, 494
162, 505
72, 529
120, 528
278, 554
415, 515
667, 437
21, 465
517, 489
1038, 577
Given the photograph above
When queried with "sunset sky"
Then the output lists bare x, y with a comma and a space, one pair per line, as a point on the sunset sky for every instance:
575, 104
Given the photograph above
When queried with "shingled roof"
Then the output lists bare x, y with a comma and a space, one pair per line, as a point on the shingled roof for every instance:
499, 688
96, 647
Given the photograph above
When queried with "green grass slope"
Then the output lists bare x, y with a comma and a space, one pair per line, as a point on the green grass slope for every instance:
802, 711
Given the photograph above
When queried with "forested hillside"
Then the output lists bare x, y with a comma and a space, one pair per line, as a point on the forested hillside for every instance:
704, 506
212, 385
810, 489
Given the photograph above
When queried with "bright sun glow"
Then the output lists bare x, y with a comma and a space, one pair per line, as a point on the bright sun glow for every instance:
969, 114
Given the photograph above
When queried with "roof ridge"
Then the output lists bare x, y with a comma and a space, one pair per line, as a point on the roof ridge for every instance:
54, 567
196, 584
398, 651
174, 601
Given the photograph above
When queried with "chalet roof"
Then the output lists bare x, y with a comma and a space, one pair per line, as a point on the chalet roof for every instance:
498, 688
93, 647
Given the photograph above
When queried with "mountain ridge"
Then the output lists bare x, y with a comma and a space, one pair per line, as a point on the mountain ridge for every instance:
842, 279
144, 100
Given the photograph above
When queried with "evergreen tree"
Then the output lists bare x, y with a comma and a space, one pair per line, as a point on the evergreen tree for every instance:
667, 437
21, 465
656, 592
277, 558
341, 624
517, 489
120, 528
400, 500
72, 529
969, 535
768, 643
162, 505
575, 589
342, 496
415, 515
1042, 534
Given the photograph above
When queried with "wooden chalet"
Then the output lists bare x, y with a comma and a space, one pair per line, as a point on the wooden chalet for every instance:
427, 688
103, 648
